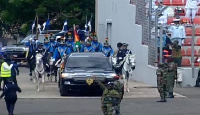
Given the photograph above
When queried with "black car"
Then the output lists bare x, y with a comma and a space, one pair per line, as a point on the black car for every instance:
77, 75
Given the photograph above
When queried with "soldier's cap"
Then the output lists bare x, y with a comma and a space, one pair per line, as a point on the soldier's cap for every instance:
125, 44
176, 20
95, 38
40, 44
31, 39
119, 44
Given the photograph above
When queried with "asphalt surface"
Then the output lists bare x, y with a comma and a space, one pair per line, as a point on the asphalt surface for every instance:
140, 101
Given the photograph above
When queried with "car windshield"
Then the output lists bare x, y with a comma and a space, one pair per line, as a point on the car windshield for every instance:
88, 62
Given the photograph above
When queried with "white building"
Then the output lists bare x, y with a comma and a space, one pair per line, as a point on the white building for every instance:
115, 19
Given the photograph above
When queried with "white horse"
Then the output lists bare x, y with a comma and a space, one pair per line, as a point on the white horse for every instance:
128, 67
39, 72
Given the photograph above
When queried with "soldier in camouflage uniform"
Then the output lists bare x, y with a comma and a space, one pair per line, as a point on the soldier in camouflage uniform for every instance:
110, 98
161, 81
171, 76
119, 87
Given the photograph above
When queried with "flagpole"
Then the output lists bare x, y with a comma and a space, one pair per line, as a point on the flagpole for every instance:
37, 28
48, 25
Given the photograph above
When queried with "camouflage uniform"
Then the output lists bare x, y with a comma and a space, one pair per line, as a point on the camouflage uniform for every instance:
171, 76
109, 99
161, 81
119, 87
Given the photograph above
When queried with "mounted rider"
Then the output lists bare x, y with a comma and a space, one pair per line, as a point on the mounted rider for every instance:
58, 40
120, 57
95, 44
31, 55
108, 52
88, 47
60, 52
52, 45
125, 48
70, 44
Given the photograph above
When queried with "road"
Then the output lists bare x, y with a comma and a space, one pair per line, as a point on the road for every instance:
140, 101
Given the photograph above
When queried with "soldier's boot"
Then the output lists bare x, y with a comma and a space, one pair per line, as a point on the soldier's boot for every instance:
162, 100
170, 95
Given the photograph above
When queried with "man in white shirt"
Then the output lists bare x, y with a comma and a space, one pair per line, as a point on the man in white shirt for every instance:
191, 8
177, 32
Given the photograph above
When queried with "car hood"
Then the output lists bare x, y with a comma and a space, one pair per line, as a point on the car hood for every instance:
14, 48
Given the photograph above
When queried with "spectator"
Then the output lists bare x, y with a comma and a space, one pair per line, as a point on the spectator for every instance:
176, 53
191, 8
177, 32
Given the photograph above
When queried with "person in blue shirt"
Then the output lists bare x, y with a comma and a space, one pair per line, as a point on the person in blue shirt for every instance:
10, 92
107, 50
60, 52
70, 44
88, 47
96, 45
46, 45
52, 45
58, 40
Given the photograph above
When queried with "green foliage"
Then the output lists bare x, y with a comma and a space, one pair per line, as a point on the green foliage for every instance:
24, 11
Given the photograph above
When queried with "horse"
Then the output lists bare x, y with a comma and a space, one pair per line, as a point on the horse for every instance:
39, 71
128, 67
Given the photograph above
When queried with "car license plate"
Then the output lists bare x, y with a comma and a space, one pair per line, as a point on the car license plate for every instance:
15, 56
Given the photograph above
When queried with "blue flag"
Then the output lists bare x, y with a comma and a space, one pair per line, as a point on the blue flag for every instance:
65, 26
46, 25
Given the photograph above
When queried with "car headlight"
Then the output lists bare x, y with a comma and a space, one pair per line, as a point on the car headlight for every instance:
111, 75
2, 49
67, 75
25, 49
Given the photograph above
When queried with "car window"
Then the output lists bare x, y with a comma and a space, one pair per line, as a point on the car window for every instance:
40, 38
88, 62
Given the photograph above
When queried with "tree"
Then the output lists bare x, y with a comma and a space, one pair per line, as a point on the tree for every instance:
23, 12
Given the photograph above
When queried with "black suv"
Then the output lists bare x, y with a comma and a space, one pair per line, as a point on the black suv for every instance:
77, 75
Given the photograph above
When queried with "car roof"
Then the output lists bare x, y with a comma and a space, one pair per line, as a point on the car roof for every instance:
90, 54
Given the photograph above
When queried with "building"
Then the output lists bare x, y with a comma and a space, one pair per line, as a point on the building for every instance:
116, 19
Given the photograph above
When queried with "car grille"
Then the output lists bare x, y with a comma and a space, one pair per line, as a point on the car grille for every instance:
14, 52
83, 79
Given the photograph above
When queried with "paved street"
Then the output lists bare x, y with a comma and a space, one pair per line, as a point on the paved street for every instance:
140, 101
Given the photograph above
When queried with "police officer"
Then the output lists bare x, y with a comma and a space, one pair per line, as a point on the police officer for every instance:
1, 61
107, 51
60, 52
110, 98
95, 44
161, 73
119, 87
88, 47
171, 76
6, 67
126, 51
10, 94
